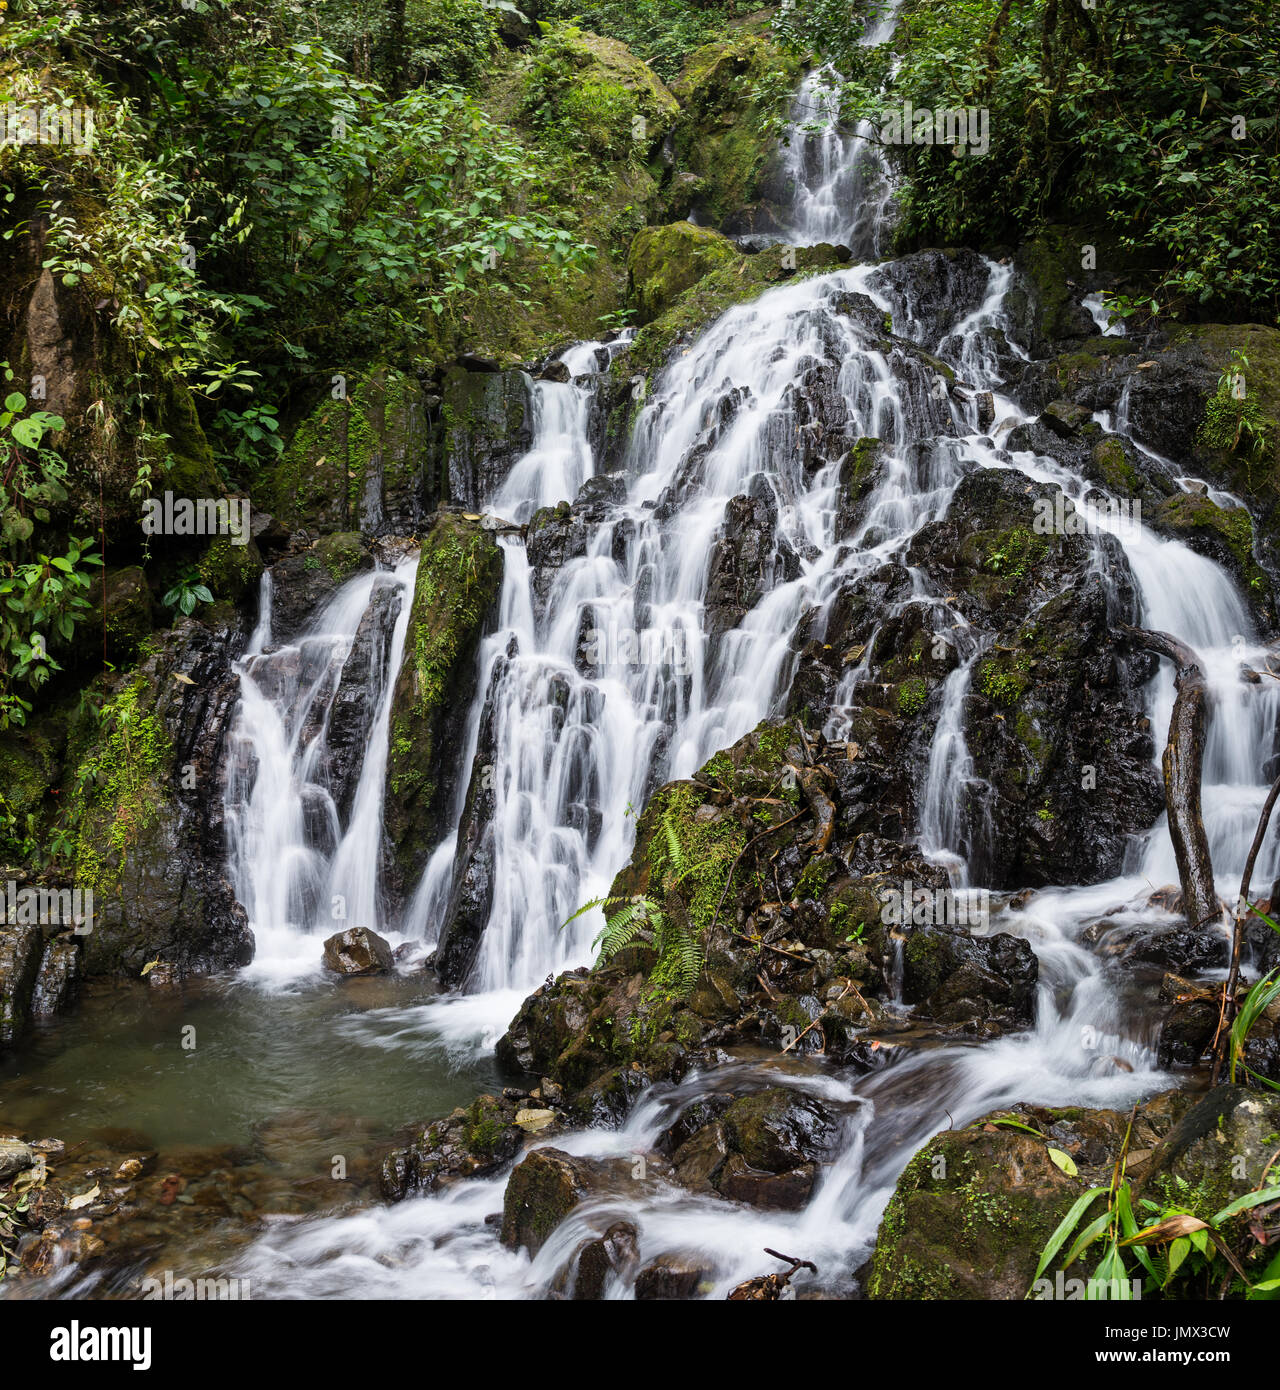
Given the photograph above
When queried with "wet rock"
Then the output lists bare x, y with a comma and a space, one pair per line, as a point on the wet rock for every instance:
459, 575
58, 979
543, 1189
20, 950
471, 1142
614, 1254
489, 426
676, 1275
787, 1191
353, 709
367, 462
358, 951
157, 857
932, 290
1190, 1024
1066, 418
129, 605
15, 1157
1054, 716
987, 982
969, 1217
1217, 1151
780, 1129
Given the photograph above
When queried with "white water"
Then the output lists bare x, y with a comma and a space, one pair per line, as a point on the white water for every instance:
630, 728
300, 872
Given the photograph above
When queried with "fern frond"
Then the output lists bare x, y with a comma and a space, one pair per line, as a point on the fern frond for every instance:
605, 903
625, 925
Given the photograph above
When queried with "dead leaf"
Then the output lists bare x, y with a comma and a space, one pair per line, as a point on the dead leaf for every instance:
150, 966
184, 679
84, 1198
1169, 1229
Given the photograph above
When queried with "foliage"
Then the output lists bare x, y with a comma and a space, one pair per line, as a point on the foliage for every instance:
1170, 1246
188, 591
662, 32
1233, 419
662, 918
42, 598
1160, 113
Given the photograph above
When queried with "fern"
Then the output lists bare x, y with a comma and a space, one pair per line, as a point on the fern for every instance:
659, 919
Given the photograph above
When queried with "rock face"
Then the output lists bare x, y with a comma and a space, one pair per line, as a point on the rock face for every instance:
459, 577
723, 144
358, 951
543, 1189
20, 948
147, 813
981, 983
364, 461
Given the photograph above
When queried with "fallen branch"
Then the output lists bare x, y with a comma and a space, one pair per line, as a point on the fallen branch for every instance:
767, 1288
1182, 764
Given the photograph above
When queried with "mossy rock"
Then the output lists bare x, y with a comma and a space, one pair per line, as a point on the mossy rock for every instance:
969, 1217
364, 462
342, 554
1225, 534
459, 577
666, 261
31, 759
128, 603
738, 281
731, 93
592, 89
229, 570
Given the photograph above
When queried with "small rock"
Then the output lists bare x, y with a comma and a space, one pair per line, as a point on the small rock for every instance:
15, 1157
358, 951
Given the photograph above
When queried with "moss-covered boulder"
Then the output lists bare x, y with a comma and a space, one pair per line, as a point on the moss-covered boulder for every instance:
127, 599
31, 760
665, 261
487, 424
593, 91
969, 1218
1220, 1149
544, 1188
459, 577
731, 93
362, 462
1225, 534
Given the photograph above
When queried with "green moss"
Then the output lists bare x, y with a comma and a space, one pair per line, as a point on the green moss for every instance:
458, 579
230, 570
1192, 512
117, 790
733, 93
1011, 554
341, 554
485, 1125
912, 694
666, 261
1115, 471
737, 282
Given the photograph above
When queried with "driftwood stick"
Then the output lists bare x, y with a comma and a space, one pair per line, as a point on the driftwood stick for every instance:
1182, 763
1221, 1041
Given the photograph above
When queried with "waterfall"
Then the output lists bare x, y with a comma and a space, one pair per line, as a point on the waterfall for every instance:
577, 744
304, 853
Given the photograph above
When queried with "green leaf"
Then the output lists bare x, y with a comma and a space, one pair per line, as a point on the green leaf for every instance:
1065, 1162
1068, 1224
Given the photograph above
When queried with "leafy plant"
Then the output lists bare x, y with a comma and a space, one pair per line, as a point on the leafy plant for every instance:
1170, 1241
659, 919
188, 592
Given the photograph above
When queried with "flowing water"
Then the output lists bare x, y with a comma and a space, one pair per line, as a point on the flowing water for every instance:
576, 746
